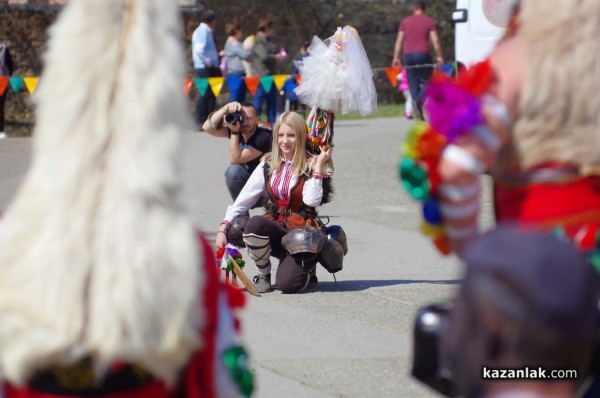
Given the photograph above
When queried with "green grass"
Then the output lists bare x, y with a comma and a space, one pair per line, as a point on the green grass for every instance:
392, 110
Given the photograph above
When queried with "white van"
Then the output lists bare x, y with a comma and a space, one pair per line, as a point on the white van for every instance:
479, 24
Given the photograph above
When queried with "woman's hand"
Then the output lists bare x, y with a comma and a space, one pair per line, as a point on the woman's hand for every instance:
324, 156
221, 239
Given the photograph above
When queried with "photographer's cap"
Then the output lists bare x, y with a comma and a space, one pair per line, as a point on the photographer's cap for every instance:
553, 278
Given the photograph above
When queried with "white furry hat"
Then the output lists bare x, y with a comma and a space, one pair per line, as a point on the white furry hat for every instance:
97, 257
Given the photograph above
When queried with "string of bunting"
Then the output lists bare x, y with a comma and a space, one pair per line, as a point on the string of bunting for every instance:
283, 83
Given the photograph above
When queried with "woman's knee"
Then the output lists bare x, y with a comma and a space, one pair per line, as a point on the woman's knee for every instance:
256, 225
291, 277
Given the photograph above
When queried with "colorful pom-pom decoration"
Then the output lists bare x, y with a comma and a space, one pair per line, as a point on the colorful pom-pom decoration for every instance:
236, 361
454, 108
226, 256
414, 178
431, 211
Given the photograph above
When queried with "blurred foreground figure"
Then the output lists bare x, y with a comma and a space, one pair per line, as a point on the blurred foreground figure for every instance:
106, 288
523, 324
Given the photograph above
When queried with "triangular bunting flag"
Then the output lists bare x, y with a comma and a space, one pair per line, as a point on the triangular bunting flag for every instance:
252, 83
216, 84
201, 84
298, 77
267, 83
279, 81
448, 69
3, 84
290, 84
233, 82
187, 85
16, 82
392, 74
31, 83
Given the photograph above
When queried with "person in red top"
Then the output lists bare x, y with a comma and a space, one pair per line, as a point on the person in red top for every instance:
107, 289
412, 44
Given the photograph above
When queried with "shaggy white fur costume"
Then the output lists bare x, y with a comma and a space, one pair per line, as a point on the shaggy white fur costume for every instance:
96, 254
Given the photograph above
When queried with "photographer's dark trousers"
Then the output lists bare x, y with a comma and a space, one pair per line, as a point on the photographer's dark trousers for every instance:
206, 103
236, 176
292, 276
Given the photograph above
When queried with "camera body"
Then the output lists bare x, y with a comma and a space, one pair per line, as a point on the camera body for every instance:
234, 117
431, 323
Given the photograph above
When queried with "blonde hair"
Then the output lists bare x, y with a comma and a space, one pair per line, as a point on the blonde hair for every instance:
559, 109
300, 164
97, 255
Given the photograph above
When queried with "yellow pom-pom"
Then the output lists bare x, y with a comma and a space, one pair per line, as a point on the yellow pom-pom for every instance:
431, 230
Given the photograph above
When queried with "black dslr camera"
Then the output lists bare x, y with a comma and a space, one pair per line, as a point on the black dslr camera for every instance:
234, 117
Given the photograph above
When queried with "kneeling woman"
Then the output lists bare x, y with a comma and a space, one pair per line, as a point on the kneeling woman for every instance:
294, 180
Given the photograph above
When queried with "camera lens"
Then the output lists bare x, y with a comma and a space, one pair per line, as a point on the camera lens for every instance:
233, 117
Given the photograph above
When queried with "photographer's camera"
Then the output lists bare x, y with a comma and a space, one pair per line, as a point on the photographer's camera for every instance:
234, 117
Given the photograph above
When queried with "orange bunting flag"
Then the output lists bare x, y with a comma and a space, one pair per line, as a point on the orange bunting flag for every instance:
3, 84
252, 83
280, 80
392, 74
187, 85
298, 77
31, 83
216, 84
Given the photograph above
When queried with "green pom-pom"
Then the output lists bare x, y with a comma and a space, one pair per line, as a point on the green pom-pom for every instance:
415, 179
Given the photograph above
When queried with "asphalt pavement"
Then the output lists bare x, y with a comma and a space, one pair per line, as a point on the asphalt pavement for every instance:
350, 338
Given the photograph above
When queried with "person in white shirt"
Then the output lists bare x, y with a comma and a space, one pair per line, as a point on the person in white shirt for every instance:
296, 183
206, 62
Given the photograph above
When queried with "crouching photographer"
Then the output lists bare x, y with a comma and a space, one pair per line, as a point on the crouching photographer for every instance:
523, 323
248, 141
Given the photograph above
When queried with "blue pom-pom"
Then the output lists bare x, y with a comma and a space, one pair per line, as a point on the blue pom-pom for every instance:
431, 212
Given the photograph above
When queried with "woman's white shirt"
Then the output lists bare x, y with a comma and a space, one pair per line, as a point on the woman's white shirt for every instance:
312, 192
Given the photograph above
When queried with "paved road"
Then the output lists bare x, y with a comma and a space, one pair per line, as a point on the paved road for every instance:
350, 339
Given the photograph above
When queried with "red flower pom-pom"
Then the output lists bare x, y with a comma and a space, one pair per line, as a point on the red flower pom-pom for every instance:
477, 78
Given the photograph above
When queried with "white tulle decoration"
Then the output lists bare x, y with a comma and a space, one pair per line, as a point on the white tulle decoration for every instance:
337, 75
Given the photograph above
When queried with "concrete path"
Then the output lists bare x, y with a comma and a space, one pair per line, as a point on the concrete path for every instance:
350, 339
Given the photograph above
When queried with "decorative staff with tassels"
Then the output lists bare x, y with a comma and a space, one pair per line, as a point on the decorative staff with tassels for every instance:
336, 74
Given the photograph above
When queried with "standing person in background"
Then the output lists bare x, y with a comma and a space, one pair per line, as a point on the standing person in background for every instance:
266, 57
412, 44
234, 55
291, 96
206, 62
6, 69
250, 67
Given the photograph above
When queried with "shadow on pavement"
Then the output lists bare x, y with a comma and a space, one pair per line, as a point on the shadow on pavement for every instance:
358, 285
